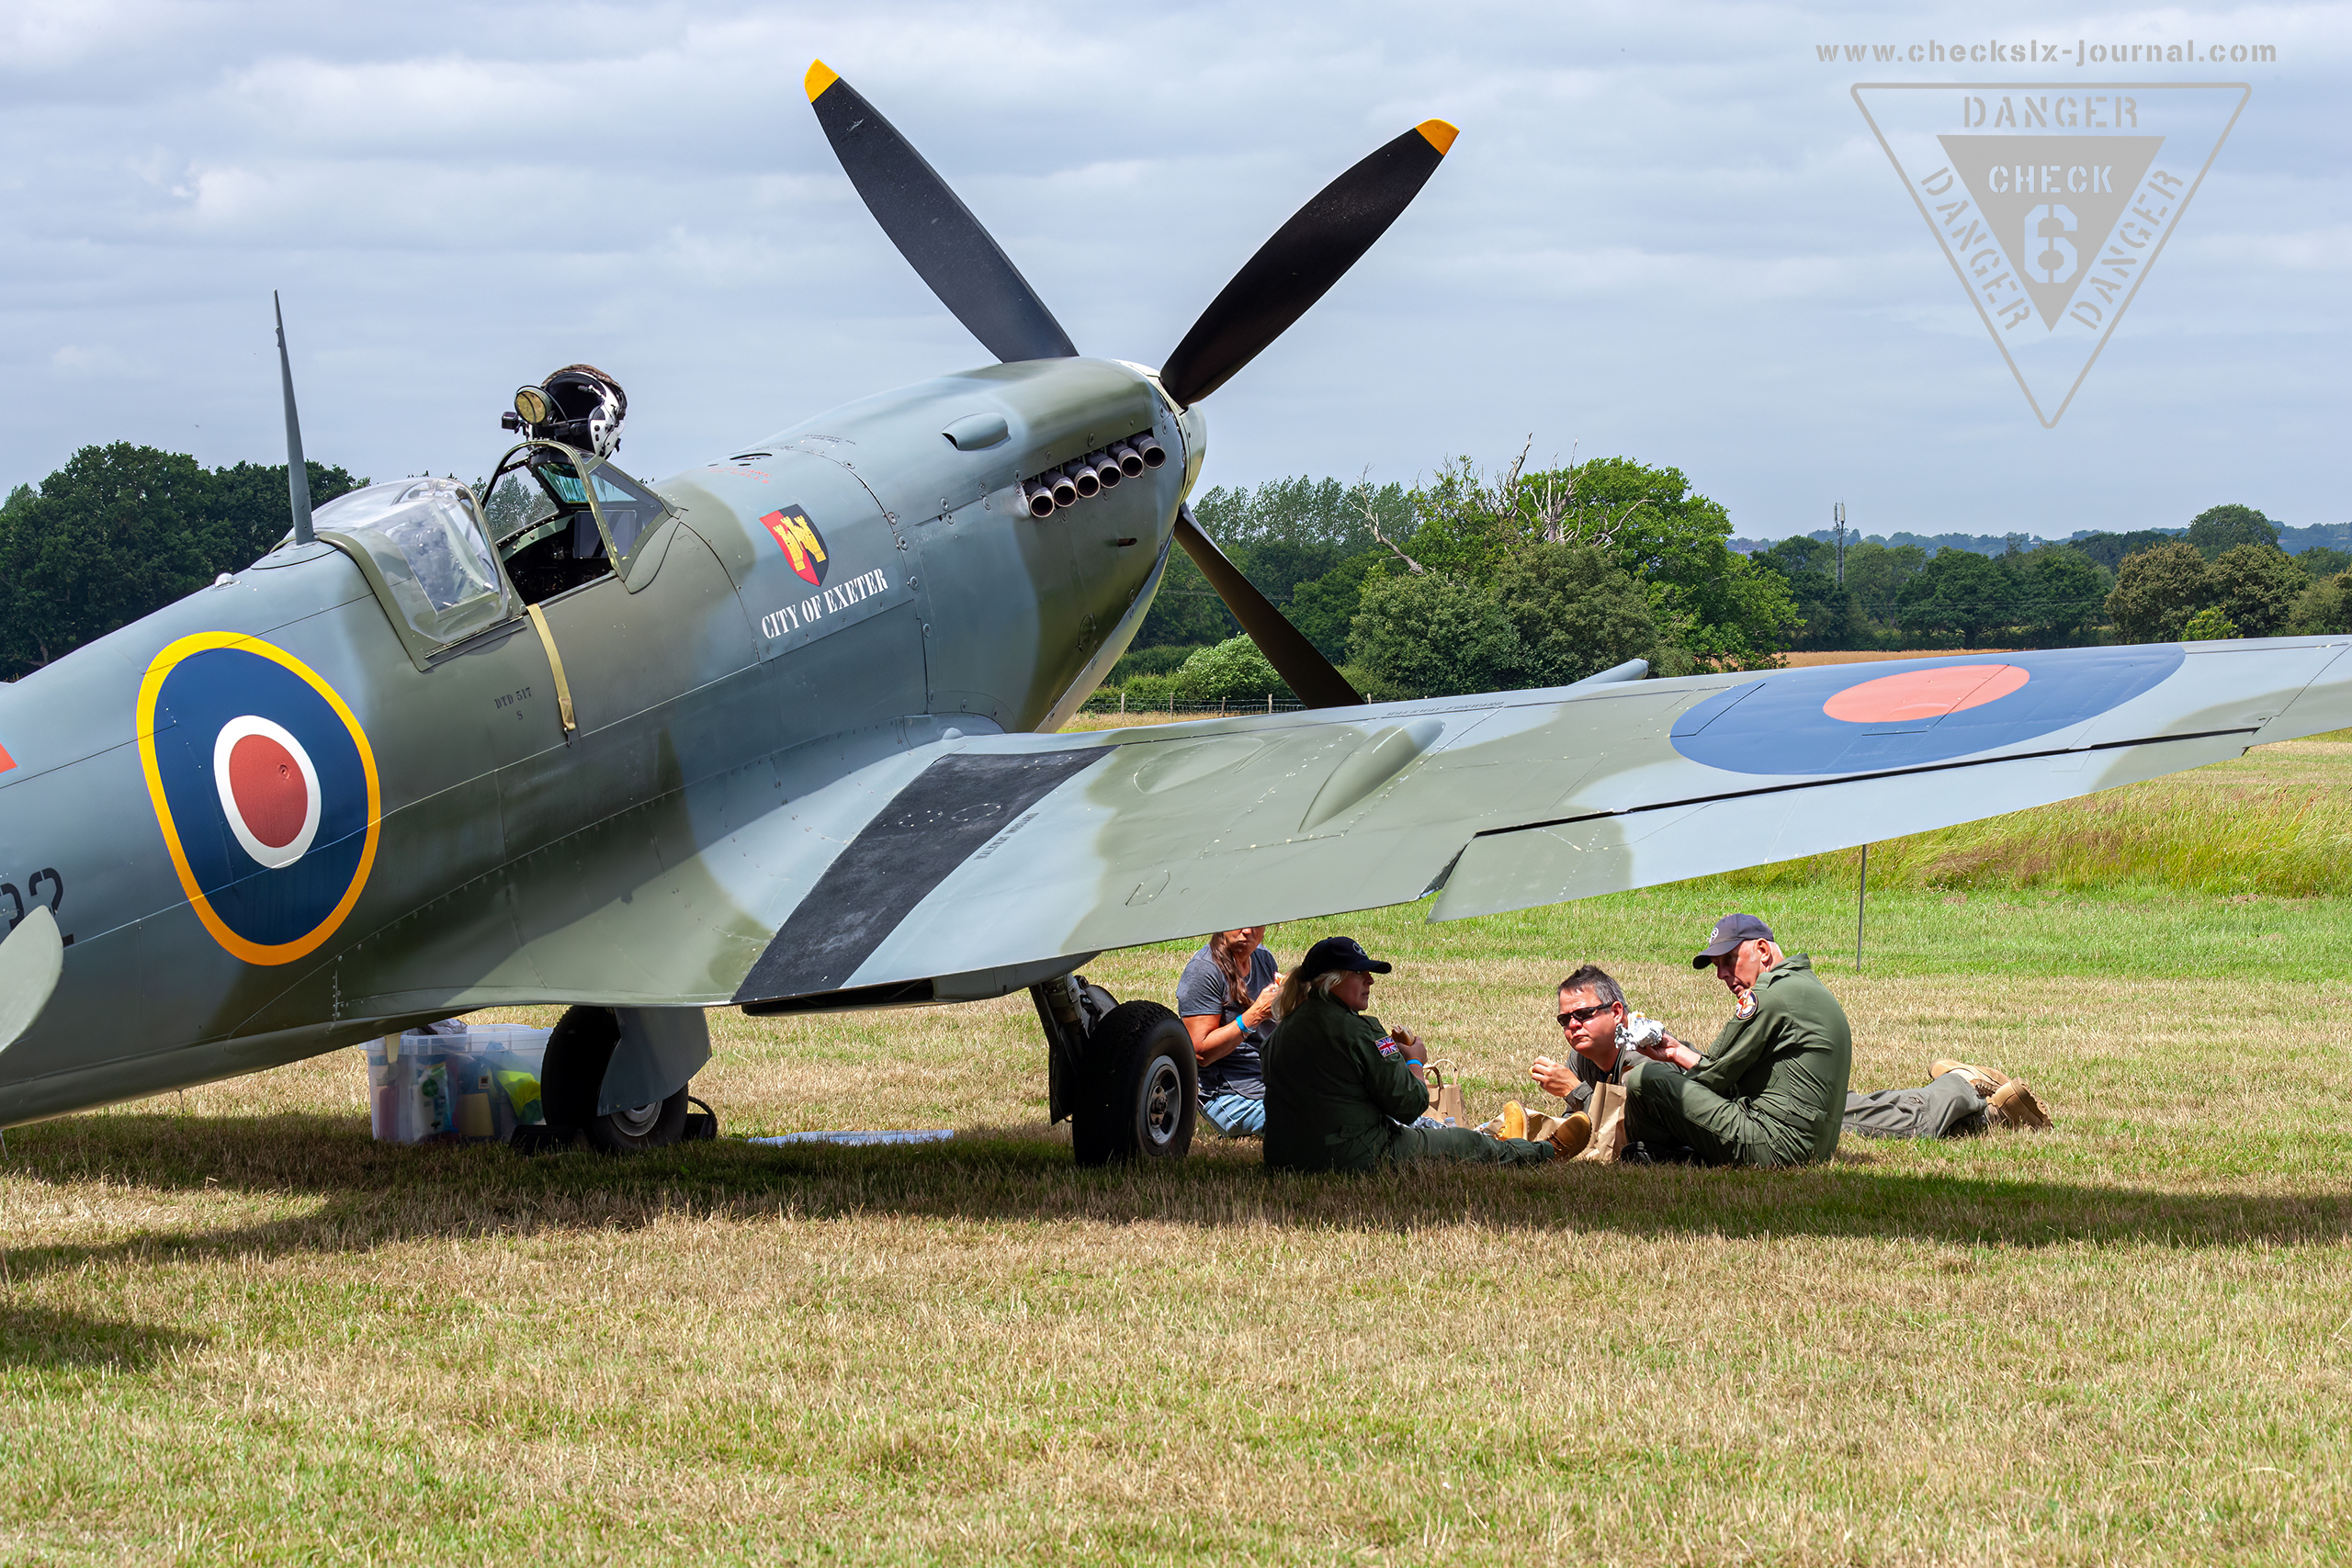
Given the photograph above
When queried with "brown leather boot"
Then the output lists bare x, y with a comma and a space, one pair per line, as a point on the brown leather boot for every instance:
2012, 1105
1514, 1121
1570, 1137
1984, 1080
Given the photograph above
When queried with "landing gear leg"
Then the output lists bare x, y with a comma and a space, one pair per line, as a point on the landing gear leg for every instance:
1123, 1072
580, 1051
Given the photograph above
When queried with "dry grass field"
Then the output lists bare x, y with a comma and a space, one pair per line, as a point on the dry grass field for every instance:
232, 1329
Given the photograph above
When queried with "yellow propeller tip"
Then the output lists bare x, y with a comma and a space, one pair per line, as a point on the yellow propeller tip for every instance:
821, 77
1438, 134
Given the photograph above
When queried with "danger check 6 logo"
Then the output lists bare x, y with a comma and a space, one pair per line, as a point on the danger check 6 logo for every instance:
2052, 201
265, 788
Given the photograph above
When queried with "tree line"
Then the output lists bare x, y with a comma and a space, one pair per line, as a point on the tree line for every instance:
121, 531
1477, 580
2060, 593
1484, 581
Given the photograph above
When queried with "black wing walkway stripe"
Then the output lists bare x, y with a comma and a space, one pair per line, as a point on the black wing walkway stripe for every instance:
929, 828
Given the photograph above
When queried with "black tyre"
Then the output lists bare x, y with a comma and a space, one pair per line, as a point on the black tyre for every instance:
1138, 1088
654, 1127
571, 1077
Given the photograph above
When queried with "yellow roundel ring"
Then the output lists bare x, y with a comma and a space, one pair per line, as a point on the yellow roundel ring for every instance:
265, 789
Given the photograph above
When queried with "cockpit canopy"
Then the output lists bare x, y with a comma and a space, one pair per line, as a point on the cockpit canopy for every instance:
431, 525
427, 552
557, 519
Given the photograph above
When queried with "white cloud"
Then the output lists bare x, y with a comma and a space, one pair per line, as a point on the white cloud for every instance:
98, 362
1664, 232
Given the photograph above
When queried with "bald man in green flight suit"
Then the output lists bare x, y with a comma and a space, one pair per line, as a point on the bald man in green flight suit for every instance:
1772, 1089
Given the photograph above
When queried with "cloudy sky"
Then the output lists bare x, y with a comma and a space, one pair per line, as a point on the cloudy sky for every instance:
1667, 231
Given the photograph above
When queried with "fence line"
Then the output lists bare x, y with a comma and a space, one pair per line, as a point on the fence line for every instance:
1115, 700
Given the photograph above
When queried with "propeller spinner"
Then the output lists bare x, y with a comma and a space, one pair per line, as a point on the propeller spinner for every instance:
975, 279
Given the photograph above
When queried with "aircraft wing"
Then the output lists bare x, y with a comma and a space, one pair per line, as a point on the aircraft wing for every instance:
1003, 853
969, 867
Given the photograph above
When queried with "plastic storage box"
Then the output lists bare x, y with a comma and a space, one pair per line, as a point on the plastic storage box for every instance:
455, 1087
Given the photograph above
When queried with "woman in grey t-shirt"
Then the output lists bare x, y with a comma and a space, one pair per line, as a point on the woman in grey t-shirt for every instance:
1226, 999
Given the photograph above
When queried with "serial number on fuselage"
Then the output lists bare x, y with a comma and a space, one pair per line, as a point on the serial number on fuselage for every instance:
16, 908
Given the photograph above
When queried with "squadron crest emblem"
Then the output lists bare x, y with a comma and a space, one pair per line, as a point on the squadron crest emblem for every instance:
802, 545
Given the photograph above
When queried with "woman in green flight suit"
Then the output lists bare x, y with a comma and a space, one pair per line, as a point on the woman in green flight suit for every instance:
1342, 1092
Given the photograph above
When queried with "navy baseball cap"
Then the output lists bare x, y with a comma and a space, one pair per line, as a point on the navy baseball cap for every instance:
1729, 932
1339, 953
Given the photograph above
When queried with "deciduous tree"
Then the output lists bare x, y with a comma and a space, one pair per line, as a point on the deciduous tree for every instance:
1960, 593
1575, 614
2323, 609
122, 530
1430, 635
2156, 591
2220, 528
1234, 671
2059, 594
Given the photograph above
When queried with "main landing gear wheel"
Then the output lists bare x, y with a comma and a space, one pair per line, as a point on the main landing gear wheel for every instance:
1138, 1090
578, 1050
654, 1127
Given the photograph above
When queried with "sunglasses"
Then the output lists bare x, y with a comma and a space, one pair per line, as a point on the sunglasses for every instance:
1570, 1020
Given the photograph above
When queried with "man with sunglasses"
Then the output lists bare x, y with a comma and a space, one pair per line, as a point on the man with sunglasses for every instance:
1603, 1041
1598, 1032
1772, 1089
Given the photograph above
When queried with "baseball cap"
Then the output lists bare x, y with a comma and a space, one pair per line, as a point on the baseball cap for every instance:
1729, 932
1337, 952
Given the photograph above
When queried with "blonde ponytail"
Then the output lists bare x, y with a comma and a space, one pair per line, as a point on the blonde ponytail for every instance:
1294, 990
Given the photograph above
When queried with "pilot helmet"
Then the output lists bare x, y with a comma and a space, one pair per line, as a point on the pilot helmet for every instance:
583, 407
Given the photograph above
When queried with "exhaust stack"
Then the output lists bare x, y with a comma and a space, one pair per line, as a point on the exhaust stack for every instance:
1106, 468
1039, 498
1082, 474
1130, 461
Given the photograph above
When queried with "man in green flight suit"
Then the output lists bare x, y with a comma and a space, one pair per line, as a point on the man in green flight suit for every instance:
1341, 1091
1772, 1089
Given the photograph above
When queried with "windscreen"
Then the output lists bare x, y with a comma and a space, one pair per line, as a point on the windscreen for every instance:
629, 508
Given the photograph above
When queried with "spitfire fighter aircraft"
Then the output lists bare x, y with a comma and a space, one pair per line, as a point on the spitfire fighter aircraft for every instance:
779, 733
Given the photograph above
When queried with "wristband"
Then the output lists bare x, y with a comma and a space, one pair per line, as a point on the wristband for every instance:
1415, 1062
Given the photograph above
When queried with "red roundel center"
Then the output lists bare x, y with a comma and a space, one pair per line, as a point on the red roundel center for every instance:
266, 783
1924, 693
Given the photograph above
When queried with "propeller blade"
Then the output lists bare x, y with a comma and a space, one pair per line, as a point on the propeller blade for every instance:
298, 476
1298, 661
32, 958
1298, 265
932, 229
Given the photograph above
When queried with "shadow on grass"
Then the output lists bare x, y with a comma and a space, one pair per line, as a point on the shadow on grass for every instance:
369, 1194
40, 1337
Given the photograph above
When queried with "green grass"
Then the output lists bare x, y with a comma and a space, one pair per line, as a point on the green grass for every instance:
234, 1329
2276, 823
